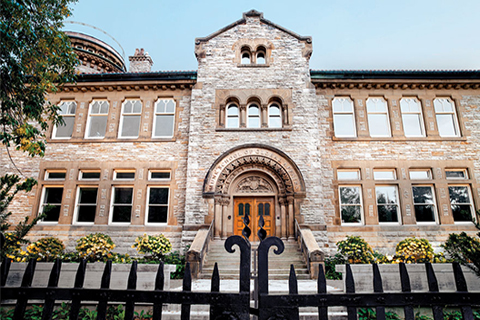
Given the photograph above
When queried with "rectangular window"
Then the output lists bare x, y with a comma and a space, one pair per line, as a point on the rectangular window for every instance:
343, 117
158, 175
51, 203
164, 120
378, 122
348, 174
130, 120
124, 175
122, 203
420, 174
456, 174
157, 205
384, 174
461, 203
424, 203
55, 174
387, 203
86, 204
412, 117
97, 119
89, 175
67, 111
350, 204
447, 122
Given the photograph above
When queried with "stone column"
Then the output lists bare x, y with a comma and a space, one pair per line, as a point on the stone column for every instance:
243, 115
264, 116
225, 201
285, 114
221, 120
283, 217
291, 217
218, 217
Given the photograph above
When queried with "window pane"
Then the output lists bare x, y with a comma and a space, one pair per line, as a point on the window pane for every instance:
425, 213
412, 125
423, 195
159, 175
275, 122
158, 196
88, 195
384, 175
131, 126
349, 195
52, 214
462, 213
123, 196
446, 126
124, 175
157, 214
233, 110
53, 195
460, 203
456, 174
127, 107
420, 174
170, 106
387, 213
164, 126
260, 58
253, 122
52, 175
121, 213
65, 130
137, 107
378, 125
344, 125
90, 175
98, 126
253, 111
245, 58
274, 110
386, 195
459, 195
351, 214
86, 213
348, 175
232, 123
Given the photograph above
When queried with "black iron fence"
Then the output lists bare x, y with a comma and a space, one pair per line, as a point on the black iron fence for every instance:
237, 305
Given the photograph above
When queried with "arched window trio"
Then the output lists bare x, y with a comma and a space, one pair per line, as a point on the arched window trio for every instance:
254, 115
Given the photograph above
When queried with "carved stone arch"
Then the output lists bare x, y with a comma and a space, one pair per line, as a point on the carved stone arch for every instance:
233, 179
253, 182
255, 99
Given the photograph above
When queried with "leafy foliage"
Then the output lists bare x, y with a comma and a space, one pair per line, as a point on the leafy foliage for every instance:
156, 246
36, 58
371, 314
330, 264
356, 250
414, 250
95, 247
464, 249
46, 249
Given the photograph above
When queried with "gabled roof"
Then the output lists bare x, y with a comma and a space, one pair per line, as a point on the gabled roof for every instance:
252, 13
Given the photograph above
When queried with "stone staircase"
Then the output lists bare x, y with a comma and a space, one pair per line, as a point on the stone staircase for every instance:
278, 265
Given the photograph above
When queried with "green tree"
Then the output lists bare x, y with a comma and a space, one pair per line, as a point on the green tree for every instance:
35, 58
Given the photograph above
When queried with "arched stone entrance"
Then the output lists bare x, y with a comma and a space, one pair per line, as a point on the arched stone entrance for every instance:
257, 178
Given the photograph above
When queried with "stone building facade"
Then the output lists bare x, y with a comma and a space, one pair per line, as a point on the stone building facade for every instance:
381, 154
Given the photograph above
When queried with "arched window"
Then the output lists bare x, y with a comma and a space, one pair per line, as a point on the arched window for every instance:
253, 120
261, 55
246, 56
274, 116
232, 116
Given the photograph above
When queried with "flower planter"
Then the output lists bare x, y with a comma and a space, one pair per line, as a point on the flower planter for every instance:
146, 274
363, 276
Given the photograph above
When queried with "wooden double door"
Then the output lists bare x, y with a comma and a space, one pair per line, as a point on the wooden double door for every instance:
254, 207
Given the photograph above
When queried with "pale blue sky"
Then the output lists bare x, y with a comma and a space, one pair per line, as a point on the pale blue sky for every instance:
347, 35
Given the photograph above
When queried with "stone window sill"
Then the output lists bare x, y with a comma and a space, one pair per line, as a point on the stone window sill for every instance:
252, 129
253, 65
114, 140
404, 139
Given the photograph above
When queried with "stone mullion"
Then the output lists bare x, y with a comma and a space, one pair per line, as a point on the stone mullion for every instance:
113, 120
291, 217
361, 117
224, 202
218, 217
394, 117
243, 115
221, 120
428, 113
103, 199
81, 116
283, 217
285, 120
264, 116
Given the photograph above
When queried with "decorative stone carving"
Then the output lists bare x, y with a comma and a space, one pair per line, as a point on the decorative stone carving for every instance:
254, 185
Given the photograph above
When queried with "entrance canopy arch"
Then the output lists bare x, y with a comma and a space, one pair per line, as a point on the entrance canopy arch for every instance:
255, 161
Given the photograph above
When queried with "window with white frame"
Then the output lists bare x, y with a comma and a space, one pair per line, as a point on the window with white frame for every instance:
130, 120
420, 174
97, 119
348, 174
253, 116
447, 121
384, 174
233, 119
387, 204
461, 203
343, 117
424, 203
67, 111
160, 175
378, 122
89, 175
124, 175
157, 205
55, 174
122, 203
51, 203
459, 174
412, 117
274, 116
86, 204
164, 121
350, 204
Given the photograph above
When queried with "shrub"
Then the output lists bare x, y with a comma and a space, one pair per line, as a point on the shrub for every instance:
156, 246
46, 249
464, 249
414, 250
356, 250
330, 264
95, 246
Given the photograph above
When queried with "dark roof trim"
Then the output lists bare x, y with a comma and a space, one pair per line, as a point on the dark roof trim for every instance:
394, 74
134, 76
252, 13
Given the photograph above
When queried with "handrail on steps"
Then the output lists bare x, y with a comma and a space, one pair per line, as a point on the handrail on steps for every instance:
312, 254
198, 250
